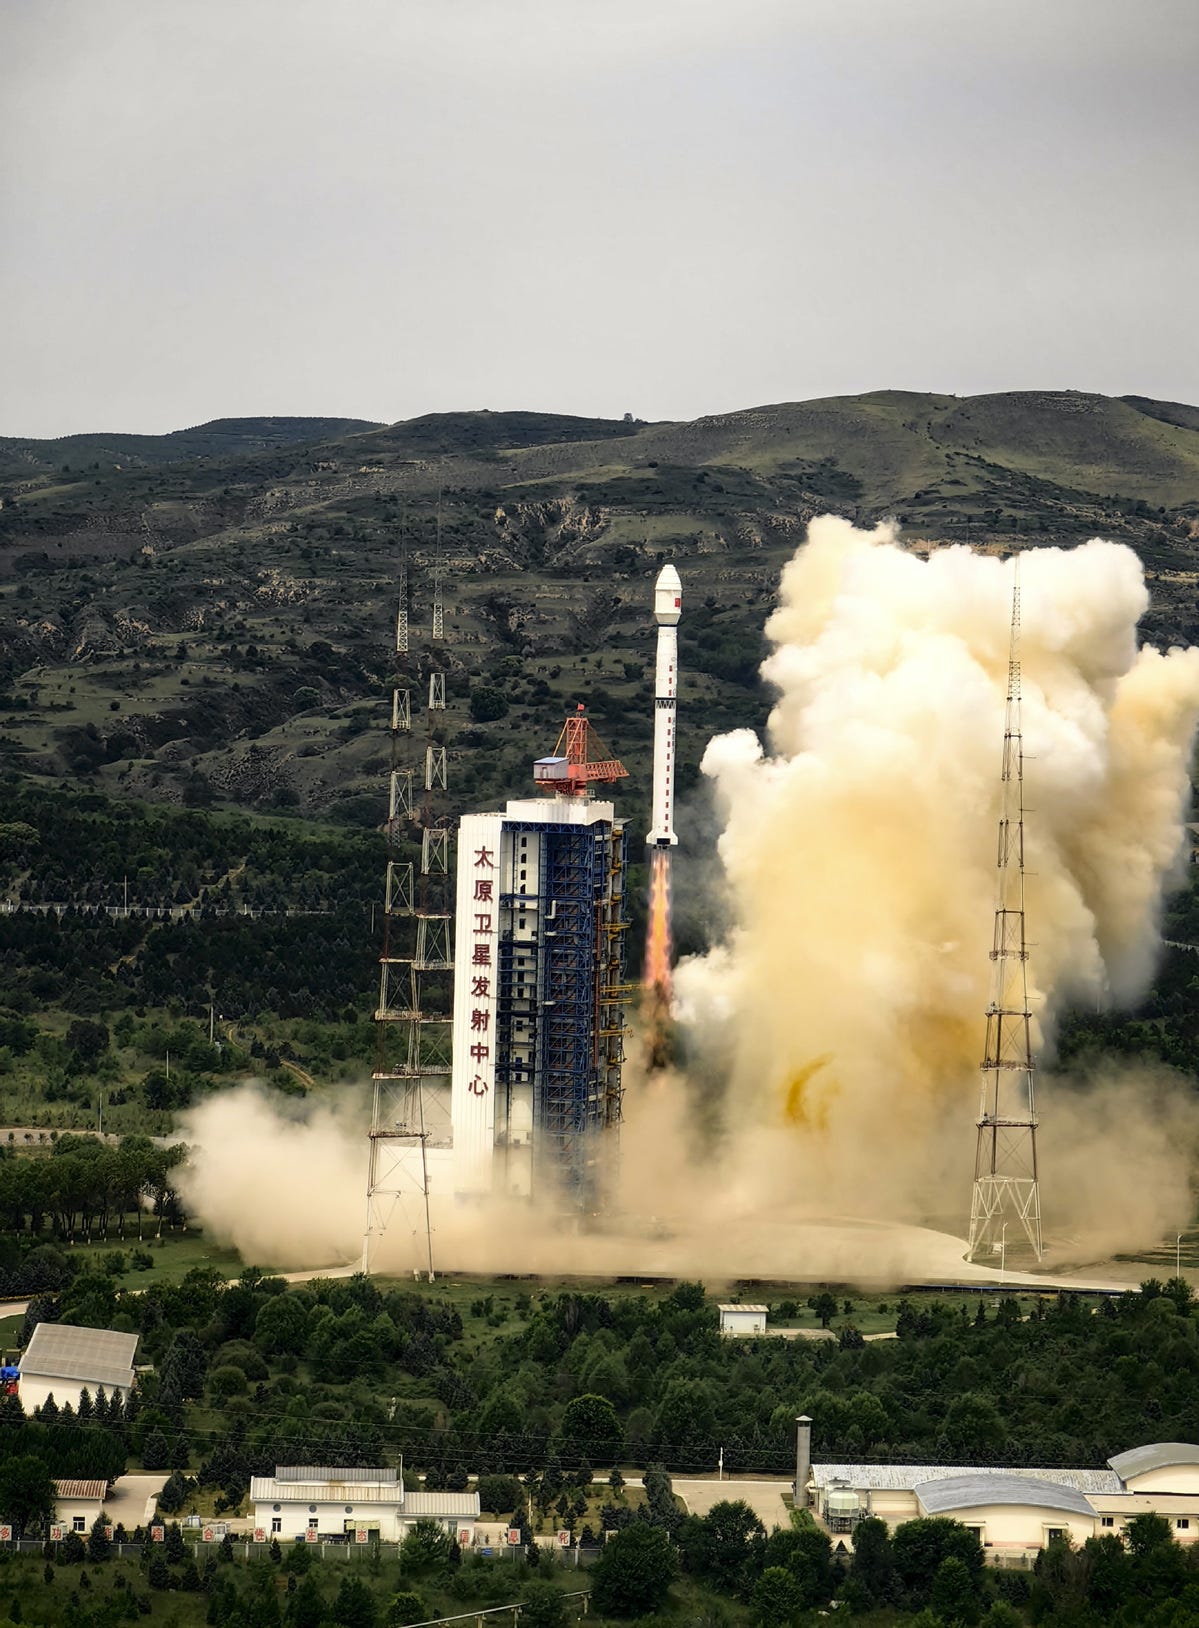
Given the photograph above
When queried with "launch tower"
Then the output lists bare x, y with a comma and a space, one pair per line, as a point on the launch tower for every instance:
1006, 1190
538, 1022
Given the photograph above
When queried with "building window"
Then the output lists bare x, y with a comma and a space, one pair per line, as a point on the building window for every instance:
1108, 1520
276, 1523
1182, 1525
311, 1511
312, 1524
276, 1507
1052, 1532
349, 1509
78, 1524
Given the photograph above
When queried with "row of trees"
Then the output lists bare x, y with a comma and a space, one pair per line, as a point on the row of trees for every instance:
86, 1188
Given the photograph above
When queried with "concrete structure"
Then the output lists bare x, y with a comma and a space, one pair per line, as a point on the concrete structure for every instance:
1016, 1512
77, 1503
299, 1499
668, 605
743, 1319
63, 1361
538, 964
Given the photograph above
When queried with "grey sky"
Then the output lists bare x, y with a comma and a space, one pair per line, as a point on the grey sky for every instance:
670, 207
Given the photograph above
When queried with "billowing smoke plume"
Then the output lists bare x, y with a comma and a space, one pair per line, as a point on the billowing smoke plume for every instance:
858, 854
834, 1034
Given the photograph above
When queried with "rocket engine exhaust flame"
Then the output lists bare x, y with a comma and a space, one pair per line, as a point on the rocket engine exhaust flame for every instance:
657, 976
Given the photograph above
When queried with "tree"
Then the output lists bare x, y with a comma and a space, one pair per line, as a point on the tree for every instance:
405, 1607
543, 1607
775, 1599
873, 1568
26, 1492
99, 1548
954, 1596
87, 1041
281, 1324
155, 1451
354, 1606
634, 1573
487, 704
824, 1305
729, 1536
920, 1546
307, 1609
590, 1429
426, 1548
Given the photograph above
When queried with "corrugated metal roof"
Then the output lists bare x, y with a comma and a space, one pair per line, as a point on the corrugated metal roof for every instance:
442, 1503
331, 1472
81, 1489
905, 1477
91, 1356
268, 1489
975, 1491
265, 1489
1157, 1455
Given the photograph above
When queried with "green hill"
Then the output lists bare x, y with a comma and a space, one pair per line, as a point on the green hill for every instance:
209, 622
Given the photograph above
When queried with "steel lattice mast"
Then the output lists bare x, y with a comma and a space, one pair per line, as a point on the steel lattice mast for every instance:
414, 1015
1006, 1190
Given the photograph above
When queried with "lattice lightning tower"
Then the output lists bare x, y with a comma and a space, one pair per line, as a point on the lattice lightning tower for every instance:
411, 1110
1006, 1189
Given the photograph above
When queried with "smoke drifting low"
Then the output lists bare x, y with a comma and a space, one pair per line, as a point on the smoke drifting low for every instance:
833, 1034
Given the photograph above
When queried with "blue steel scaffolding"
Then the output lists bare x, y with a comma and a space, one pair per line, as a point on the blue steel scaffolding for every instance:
558, 1019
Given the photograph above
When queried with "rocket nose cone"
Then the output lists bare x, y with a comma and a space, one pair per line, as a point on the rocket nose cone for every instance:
668, 597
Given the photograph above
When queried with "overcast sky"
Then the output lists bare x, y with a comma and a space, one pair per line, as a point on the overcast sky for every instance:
381, 208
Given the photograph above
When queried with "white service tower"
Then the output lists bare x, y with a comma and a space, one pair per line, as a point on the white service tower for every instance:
668, 604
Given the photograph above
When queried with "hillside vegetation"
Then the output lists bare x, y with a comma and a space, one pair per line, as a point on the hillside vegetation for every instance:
205, 617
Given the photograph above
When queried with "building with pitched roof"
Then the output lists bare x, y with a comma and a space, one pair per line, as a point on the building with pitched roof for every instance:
63, 1361
78, 1503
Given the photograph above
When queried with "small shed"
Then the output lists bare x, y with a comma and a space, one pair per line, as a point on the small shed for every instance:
743, 1319
77, 1504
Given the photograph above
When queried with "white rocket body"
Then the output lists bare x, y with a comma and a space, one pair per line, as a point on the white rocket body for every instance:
668, 604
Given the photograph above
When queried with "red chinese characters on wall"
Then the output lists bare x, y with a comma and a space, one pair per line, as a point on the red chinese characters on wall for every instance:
480, 987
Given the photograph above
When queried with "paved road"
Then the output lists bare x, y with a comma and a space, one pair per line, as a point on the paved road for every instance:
765, 1498
131, 1500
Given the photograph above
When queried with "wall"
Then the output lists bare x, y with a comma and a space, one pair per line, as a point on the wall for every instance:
68, 1510
34, 1389
1022, 1526
1181, 1478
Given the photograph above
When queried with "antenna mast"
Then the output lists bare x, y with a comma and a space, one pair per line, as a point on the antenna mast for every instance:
1006, 1188
411, 1110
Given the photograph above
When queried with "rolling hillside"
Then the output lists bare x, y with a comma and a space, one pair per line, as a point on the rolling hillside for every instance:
204, 617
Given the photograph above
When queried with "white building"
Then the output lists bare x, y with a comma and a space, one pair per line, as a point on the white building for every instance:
298, 1499
743, 1319
63, 1361
1016, 1512
77, 1504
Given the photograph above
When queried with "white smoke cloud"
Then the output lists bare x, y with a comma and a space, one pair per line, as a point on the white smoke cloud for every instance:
858, 854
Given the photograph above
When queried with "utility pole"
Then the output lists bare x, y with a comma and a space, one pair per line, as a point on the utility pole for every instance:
413, 1021
1006, 1183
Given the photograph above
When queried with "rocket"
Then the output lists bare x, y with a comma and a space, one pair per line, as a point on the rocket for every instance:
668, 603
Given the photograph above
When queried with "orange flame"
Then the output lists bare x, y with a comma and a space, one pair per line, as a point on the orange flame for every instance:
658, 946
